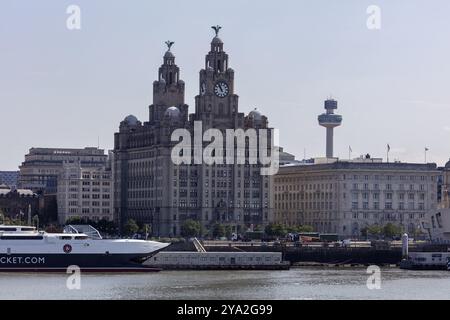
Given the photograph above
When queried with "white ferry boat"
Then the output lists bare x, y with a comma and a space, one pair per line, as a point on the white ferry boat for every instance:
24, 248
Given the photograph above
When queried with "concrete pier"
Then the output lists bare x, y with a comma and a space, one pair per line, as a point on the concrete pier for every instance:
169, 260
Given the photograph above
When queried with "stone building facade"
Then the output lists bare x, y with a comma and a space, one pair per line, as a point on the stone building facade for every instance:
85, 193
151, 188
42, 166
343, 197
15, 203
445, 186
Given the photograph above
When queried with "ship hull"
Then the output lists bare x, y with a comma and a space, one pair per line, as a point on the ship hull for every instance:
85, 262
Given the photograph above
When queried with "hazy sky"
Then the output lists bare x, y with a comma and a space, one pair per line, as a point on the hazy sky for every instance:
62, 88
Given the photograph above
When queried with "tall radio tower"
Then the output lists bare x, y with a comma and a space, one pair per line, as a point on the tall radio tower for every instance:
330, 120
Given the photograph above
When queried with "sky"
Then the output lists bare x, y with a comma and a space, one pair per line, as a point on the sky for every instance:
71, 88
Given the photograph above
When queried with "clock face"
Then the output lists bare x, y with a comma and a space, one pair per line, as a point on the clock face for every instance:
203, 89
221, 89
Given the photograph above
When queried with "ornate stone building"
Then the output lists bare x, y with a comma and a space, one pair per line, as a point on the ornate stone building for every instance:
150, 188
343, 197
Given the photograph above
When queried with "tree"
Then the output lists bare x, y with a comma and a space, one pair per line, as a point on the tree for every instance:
275, 230
190, 228
105, 226
258, 228
130, 228
374, 230
305, 228
228, 231
35, 221
391, 230
218, 230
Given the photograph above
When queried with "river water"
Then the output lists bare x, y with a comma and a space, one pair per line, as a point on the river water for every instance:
297, 283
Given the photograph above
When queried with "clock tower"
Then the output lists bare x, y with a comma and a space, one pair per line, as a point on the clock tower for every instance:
217, 104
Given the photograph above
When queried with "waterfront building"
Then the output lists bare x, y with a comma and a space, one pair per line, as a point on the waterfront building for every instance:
343, 197
15, 203
445, 186
85, 193
9, 178
151, 189
42, 166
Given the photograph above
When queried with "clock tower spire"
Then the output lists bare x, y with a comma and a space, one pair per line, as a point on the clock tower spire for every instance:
217, 101
168, 90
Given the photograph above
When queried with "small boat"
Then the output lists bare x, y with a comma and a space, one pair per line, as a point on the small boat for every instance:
25, 249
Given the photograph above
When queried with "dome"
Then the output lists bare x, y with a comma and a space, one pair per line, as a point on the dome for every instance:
217, 40
230, 70
173, 113
169, 54
131, 120
447, 165
256, 115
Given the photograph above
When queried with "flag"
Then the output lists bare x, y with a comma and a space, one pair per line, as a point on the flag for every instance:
388, 148
426, 149
350, 149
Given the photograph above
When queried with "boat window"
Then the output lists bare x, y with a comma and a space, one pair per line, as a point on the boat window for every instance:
81, 238
65, 238
27, 229
8, 229
21, 238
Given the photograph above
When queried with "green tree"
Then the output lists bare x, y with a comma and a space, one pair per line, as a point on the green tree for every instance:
305, 228
275, 230
391, 230
35, 221
258, 228
218, 230
105, 226
228, 231
191, 228
130, 227
374, 230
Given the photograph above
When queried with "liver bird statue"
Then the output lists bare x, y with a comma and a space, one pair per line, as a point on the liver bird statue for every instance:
169, 44
216, 29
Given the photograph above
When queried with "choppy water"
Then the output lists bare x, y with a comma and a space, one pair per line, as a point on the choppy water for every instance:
299, 283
